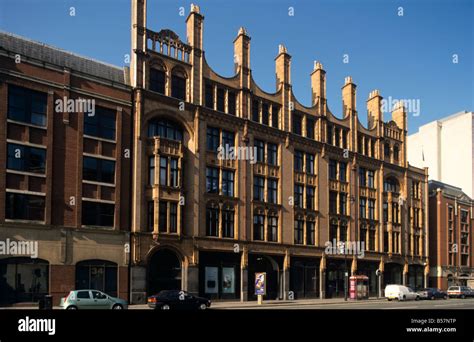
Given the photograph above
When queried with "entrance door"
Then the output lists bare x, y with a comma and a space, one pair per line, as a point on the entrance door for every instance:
335, 278
262, 263
304, 279
164, 272
392, 274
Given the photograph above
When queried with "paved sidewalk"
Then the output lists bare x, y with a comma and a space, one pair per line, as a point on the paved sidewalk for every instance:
235, 304
299, 302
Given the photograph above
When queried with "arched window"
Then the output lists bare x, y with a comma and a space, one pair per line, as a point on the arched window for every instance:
391, 185
371, 243
258, 224
343, 231
212, 219
165, 128
363, 233
396, 152
310, 231
157, 80
228, 216
178, 84
299, 229
23, 279
272, 233
333, 228
386, 150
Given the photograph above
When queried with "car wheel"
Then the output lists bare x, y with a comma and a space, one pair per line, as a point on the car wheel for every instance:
417, 298
117, 307
389, 299
433, 297
463, 296
404, 297
445, 297
71, 307
165, 307
202, 306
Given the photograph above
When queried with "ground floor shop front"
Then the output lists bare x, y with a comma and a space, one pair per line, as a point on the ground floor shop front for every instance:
221, 272
64, 260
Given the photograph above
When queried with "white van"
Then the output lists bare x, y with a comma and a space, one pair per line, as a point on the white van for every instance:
400, 292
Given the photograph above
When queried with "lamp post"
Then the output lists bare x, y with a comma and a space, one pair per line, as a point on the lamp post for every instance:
378, 273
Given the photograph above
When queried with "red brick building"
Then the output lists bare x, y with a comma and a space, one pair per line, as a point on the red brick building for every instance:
62, 171
451, 222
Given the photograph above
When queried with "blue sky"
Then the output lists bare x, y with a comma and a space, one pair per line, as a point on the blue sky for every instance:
405, 57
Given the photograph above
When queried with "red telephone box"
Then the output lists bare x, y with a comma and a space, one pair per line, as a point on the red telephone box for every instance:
359, 287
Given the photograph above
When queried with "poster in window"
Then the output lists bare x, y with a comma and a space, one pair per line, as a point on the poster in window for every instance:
211, 280
228, 280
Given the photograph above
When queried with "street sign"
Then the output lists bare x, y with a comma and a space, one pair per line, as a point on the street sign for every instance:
260, 283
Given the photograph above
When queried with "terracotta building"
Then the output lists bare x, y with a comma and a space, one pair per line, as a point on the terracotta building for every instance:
65, 171
451, 223
206, 222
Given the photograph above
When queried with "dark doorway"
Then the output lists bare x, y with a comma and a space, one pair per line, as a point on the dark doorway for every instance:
304, 278
97, 275
369, 269
416, 276
392, 274
263, 263
164, 272
335, 272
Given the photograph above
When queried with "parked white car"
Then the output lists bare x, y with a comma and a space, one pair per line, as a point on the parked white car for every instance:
400, 292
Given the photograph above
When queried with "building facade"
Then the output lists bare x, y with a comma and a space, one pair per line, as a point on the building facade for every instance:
64, 172
451, 223
206, 222
446, 147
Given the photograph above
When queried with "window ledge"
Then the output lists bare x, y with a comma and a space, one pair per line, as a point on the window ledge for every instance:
99, 156
27, 124
110, 185
25, 192
114, 141
25, 173
269, 242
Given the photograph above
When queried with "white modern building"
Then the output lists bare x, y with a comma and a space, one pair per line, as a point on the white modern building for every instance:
446, 147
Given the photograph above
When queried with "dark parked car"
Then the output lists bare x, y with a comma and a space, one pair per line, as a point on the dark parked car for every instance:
177, 300
432, 293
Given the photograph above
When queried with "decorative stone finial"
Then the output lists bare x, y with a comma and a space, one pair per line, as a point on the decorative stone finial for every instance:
195, 8
281, 48
317, 66
243, 31
374, 93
